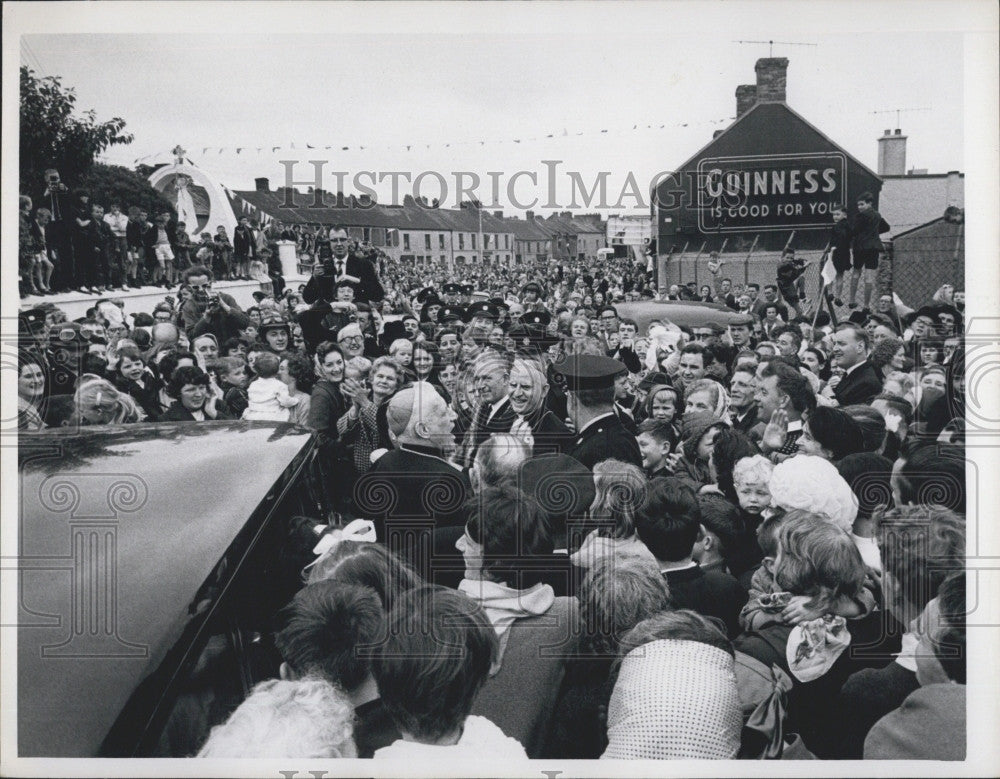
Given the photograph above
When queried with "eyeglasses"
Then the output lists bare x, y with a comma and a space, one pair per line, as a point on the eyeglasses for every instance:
354, 339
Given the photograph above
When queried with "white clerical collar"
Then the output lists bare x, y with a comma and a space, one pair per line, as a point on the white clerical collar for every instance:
794, 425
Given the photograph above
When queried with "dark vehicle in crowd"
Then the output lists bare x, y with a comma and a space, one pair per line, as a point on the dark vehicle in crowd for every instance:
683, 313
152, 560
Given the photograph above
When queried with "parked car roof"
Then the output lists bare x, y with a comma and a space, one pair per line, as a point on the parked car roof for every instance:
683, 313
120, 529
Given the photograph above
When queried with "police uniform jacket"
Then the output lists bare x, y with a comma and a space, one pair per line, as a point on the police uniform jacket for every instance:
605, 438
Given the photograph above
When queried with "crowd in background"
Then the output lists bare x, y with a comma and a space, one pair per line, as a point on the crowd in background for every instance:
753, 498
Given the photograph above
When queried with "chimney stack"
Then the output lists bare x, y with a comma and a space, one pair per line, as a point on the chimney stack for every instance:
772, 77
529, 215
954, 190
498, 214
262, 185
892, 154
746, 98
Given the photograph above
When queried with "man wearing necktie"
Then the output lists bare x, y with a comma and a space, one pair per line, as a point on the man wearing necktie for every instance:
494, 414
343, 266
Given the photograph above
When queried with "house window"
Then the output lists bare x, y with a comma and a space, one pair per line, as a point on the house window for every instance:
474, 241
367, 233
427, 241
461, 240
506, 242
444, 259
406, 241
440, 240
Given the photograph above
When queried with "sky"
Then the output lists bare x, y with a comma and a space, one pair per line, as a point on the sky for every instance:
468, 83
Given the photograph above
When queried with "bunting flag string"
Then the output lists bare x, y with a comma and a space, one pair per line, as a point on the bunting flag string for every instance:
409, 147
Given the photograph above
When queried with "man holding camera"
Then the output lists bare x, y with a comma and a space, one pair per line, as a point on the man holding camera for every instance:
358, 272
207, 311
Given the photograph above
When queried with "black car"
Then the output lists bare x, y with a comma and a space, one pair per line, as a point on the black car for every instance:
152, 560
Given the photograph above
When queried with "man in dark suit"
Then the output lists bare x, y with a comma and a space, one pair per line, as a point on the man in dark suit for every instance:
590, 385
742, 405
491, 379
413, 489
357, 271
861, 382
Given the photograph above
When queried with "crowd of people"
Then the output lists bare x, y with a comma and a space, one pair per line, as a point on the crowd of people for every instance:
557, 531
70, 243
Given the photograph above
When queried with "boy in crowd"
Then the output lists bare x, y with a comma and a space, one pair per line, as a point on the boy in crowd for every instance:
430, 668
790, 279
840, 251
656, 440
324, 631
668, 522
233, 380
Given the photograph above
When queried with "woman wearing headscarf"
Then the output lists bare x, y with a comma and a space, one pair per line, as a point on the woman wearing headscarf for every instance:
534, 424
675, 694
708, 395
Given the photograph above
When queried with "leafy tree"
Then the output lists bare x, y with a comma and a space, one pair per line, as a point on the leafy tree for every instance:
109, 184
53, 135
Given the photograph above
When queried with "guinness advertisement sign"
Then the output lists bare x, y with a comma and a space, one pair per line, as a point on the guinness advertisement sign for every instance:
769, 192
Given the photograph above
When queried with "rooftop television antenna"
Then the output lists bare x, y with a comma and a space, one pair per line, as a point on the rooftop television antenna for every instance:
898, 111
771, 44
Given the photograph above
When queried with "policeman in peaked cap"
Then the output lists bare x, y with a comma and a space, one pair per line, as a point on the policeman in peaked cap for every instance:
424, 294
590, 385
452, 293
537, 319
466, 290
483, 310
452, 313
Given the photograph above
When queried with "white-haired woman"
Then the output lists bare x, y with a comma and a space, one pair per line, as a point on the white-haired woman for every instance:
534, 424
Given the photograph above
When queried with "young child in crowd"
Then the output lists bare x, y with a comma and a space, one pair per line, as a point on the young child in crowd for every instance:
769, 602
182, 248
267, 395
223, 254
233, 380
358, 368
656, 440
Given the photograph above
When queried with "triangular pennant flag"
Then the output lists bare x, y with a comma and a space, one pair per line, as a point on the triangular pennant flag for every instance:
205, 150
275, 148
310, 147
239, 149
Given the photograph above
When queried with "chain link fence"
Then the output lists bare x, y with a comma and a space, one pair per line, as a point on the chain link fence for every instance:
914, 266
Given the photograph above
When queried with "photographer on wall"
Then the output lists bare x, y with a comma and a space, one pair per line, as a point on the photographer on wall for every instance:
337, 285
208, 311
